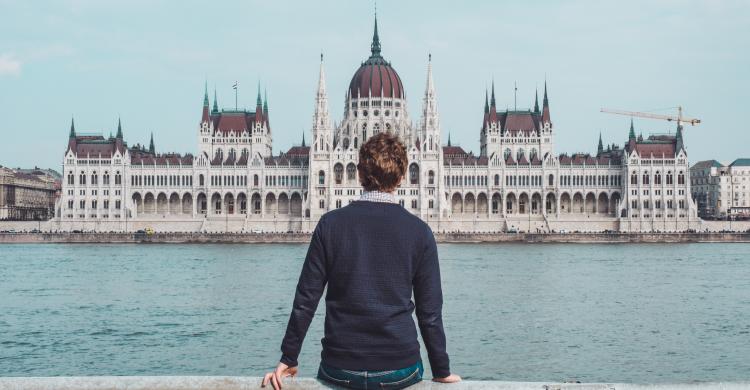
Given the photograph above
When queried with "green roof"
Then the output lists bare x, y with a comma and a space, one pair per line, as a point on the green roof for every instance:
740, 162
707, 164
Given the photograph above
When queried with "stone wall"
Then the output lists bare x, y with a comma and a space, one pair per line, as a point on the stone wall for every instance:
203, 237
237, 383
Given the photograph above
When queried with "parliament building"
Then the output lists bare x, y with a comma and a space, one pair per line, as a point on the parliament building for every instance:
517, 182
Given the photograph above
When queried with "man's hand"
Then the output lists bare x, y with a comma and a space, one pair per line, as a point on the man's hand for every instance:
282, 371
452, 378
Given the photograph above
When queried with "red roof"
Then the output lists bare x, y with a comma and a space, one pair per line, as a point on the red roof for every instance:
376, 79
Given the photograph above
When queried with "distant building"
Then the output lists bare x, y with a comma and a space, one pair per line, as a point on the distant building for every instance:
721, 191
517, 181
28, 194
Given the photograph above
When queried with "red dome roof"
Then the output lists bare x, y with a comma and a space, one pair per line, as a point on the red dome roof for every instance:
376, 80
376, 77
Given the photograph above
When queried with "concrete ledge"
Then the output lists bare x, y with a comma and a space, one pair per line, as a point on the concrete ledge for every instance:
236, 383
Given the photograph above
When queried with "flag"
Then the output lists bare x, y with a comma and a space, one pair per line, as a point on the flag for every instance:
235, 85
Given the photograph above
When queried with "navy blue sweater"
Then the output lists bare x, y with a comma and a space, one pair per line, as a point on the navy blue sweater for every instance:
371, 255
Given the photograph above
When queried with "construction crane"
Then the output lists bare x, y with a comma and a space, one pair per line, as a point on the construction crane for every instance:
679, 118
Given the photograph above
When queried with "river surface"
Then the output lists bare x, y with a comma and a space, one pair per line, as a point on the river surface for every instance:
648, 313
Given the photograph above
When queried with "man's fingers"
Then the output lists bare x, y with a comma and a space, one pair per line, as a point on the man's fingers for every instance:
266, 378
277, 375
274, 383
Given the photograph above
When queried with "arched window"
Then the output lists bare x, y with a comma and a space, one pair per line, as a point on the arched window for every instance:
431, 177
551, 180
670, 178
201, 180
355, 143
338, 173
351, 172
255, 180
414, 173
105, 178
321, 179
497, 180
346, 143
681, 178
645, 178
657, 178
71, 178
634, 178
94, 179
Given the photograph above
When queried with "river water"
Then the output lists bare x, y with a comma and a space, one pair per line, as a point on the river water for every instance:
647, 313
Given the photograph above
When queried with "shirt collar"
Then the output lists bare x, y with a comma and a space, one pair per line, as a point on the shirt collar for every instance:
378, 196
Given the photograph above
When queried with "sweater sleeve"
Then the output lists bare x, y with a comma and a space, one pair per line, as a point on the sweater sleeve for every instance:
310, 287
428, 297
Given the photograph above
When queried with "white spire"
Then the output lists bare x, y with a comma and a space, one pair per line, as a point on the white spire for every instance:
322, 80
430, 89
321, 120
430, 128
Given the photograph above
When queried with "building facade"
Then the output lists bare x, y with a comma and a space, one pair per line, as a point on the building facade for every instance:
28, 194
516, 182
721, 191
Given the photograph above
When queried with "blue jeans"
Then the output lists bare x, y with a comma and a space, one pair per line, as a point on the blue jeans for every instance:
392, 379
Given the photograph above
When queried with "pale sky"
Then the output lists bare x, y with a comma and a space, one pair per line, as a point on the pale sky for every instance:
146, 62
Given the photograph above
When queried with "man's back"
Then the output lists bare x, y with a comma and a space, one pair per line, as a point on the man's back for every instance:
373, 252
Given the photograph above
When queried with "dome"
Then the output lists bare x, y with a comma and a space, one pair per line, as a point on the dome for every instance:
376, 77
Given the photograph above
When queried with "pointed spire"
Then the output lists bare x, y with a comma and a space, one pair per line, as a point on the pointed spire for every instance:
258, 101
265, 100
449, 138
600, 147
72, 128
375, 46
486, 102
631, 134
303, 139
536, 101
545, 106
321, 120
119, 129
492, 99
216, 103
205, 95
430, 88
151, 148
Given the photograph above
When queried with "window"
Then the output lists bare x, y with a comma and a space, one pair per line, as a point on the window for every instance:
634, 178
497, 180
321, 179
338, 172
414, 173
645, 178
551, 180
414, 203
105, 179
351, 172
681, 178
255, 180
322, 204
657, 178
431, 177
670, 178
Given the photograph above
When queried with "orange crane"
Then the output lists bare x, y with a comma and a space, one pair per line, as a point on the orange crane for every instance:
679, 118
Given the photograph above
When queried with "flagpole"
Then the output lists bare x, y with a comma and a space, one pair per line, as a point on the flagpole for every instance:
236, 107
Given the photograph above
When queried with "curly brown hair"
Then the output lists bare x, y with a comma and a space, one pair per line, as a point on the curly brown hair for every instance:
382, 162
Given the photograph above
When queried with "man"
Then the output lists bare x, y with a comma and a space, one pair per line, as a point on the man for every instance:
372, 254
